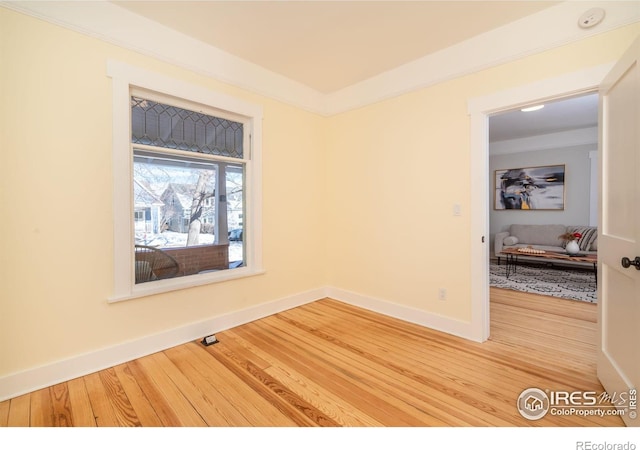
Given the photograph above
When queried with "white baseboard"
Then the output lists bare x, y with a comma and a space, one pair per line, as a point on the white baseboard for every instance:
30, 380
406, 313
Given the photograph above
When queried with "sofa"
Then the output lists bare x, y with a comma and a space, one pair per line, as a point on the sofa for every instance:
546, 237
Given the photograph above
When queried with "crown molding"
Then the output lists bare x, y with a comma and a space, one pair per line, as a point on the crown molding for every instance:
542, 31
562, 139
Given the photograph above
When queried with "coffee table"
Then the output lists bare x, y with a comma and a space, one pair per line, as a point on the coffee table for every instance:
512, 254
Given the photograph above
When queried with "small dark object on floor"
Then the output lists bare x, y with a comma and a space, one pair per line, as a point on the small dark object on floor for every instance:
210, 340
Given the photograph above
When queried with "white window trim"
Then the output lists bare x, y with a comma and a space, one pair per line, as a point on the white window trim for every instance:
124, 77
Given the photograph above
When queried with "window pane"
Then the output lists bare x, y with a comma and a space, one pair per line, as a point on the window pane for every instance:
235, 214
162, 125
176, 215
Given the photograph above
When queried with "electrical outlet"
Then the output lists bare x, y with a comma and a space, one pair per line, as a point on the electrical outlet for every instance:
442, 294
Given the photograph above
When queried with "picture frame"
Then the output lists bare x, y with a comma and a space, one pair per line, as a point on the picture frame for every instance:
530, 188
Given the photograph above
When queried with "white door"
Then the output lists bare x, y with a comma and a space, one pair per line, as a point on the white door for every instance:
619, 286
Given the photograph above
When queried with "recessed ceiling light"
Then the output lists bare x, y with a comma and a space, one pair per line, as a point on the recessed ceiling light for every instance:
532, 108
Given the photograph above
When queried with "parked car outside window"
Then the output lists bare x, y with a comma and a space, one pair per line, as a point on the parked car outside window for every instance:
235, 235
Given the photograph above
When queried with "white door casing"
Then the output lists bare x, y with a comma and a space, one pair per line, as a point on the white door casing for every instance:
619, 232
480, 109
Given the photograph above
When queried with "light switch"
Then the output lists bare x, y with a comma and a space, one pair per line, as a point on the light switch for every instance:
457, 209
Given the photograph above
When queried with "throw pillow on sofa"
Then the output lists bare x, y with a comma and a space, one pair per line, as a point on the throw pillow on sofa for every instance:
589, 237
510, 240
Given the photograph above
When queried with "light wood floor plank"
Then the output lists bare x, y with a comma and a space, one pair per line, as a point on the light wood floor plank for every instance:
100, 403
41, 409
344, 381
450, 381
213, 376
145, 411
302, 412
446, 351
61, 403
160, 403
214, 409
434, 405
339, 409
82, 413
331, 364
324, 399
122, 409
182, 408
20, 411
4, 413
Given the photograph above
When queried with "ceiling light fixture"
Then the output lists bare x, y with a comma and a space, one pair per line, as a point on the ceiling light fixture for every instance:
532, 108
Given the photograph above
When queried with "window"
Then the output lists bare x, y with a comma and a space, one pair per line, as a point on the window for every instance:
190, 213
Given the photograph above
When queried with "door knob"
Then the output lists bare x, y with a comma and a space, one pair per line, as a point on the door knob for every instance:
626, 262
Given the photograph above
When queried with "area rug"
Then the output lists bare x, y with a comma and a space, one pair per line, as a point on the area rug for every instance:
557, 281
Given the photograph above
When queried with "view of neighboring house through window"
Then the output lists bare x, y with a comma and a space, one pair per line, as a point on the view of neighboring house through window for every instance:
188, 189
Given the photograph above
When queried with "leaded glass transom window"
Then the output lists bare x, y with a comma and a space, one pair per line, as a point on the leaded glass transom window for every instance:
161, 125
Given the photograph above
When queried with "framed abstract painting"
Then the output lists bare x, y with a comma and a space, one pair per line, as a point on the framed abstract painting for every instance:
530, 188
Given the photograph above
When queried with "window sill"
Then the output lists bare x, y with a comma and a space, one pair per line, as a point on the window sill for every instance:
174, 284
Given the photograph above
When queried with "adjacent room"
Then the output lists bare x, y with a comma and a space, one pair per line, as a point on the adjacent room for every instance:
544, 170
291, 214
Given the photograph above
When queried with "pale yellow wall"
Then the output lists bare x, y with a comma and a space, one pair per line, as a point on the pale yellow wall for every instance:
56, 227
398, 167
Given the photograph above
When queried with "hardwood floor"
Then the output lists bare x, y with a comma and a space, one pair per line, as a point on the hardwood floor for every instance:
332, 364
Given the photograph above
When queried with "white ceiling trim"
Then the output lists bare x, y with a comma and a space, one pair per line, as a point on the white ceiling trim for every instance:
562, 139
547, 29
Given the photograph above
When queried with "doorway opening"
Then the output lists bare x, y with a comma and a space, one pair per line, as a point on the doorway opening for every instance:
480, 110
543, 176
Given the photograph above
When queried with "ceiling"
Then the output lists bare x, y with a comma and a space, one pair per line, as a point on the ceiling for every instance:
562, 115
330, 45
